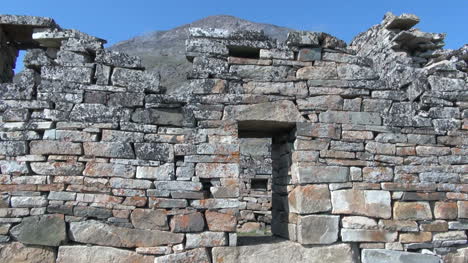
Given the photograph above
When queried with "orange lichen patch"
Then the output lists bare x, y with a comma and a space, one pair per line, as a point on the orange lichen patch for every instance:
420, 237
138, 201
220, 221
445, 210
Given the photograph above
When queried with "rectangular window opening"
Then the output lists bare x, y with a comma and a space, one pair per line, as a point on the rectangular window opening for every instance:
259, 184
265, 158
244, 52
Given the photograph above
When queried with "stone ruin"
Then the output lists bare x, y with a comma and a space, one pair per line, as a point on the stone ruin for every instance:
343, 153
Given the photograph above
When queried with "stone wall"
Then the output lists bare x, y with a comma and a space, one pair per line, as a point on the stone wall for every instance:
255, 185
8, 53
368, 154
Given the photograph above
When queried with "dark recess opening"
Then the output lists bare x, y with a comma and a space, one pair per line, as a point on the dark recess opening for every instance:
244, 52
265, 150
259, 184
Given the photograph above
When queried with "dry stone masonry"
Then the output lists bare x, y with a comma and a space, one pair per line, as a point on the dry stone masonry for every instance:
345, 153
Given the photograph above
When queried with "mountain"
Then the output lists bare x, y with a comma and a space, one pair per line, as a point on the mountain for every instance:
164, 51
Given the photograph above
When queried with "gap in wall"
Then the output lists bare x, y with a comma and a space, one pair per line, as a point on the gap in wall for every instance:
264, 172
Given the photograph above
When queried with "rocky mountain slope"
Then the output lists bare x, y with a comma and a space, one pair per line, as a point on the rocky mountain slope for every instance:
164, 51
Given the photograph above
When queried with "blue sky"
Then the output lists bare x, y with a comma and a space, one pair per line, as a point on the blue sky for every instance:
117, 20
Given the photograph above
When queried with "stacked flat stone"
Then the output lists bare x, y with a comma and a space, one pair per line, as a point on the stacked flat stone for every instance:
255, 166
97, 160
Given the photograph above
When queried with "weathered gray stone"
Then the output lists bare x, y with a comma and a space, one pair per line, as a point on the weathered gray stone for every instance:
346, 146
317, 229
126, 99
135, 79
303, 38
57, 168
210, 65
446, 84
13, 167
365, 235
355, 72
283, 251
122, 136
309, 199
177, 186
215, 203
46, 230
71, 74
164, 172
350, 117
89, 211
55, 147
223, 222
206, 46
206, 239
62, 196
149, 219
11, 148
276, 53
166, 202
331, 102
98, 113
260, 73
458, 256
280, 111
391, 256
95, 232
28, 201
403, 21
17, 252
95, 169
371, 203
358, 222
439, 177
65, 56
309, 54
306, 173
186, 223
198, 255
130, 183
326, 72
294, 89
117, 59
215, 170
154, 151
85, 254
381, 148
412, 211
108, 149
377, 174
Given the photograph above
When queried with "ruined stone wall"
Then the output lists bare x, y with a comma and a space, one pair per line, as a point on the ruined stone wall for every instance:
255, 176
8, 53
368, 152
